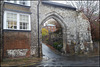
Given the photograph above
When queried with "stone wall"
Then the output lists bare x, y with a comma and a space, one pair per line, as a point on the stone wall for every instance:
17, 44
75, 25
17, 52
34, 29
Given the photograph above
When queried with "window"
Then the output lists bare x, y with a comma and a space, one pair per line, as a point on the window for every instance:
48, 27
52, 30
24, 22
16, 21
11, 21
15, 1
23, 2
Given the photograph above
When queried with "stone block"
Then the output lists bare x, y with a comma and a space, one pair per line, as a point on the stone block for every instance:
17, 52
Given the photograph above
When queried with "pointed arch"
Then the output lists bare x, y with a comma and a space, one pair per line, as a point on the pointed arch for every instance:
56, 17
60, 20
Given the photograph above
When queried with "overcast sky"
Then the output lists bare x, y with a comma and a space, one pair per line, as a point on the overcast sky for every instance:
66, 2
72, 3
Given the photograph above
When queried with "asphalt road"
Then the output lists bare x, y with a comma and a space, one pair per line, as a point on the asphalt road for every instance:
52, 59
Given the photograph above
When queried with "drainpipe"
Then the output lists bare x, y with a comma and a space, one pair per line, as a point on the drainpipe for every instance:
38, 28
2, 33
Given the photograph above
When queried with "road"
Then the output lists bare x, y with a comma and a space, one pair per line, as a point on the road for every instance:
52, 59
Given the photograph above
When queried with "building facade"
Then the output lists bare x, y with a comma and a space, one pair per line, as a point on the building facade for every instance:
75, 26
21, 30
50, 27
16, 28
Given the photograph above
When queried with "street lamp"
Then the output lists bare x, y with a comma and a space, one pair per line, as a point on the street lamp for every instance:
38, 28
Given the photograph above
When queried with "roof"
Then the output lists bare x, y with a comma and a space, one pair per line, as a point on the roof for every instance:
59, 5
50, 25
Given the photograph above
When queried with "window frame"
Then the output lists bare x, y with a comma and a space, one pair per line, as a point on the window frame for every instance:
18, 20
11, 20
24, 22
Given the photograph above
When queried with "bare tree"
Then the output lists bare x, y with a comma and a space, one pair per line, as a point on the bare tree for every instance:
88, 7
91, 10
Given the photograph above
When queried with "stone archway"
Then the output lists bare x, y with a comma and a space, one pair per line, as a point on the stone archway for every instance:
74, 24
59, 19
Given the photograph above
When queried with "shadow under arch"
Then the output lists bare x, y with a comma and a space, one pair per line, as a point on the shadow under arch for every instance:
60, 20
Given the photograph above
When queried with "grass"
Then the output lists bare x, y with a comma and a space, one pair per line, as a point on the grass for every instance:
20, 61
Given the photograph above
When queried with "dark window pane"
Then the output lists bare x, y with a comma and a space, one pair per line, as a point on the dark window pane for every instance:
15, 27
23, 27
26, 25
23, 24
20, 23
20, 27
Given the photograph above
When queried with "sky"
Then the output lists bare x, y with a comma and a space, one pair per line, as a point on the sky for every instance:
64, 2
72, 3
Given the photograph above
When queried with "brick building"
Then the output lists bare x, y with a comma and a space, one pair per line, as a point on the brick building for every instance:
50, 27
16, 28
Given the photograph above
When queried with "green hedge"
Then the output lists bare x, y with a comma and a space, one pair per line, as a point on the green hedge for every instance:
57, 46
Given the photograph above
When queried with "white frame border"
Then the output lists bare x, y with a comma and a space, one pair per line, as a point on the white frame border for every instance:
18, 21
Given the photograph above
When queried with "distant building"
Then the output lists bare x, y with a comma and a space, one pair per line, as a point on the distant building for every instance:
50, 27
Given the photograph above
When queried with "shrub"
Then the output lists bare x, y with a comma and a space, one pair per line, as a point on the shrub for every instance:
57, 46
44, 32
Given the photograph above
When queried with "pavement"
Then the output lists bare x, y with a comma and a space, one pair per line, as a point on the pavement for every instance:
50, 58
20, 62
